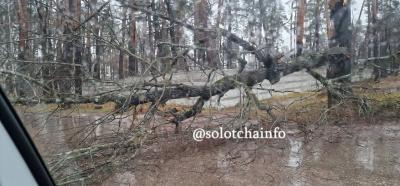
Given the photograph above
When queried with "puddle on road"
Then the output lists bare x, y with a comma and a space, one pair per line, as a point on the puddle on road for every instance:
356, 155
122, 179
365, 154
295, 155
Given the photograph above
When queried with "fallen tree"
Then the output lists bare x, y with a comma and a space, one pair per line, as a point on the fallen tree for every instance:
162, 93
148, 92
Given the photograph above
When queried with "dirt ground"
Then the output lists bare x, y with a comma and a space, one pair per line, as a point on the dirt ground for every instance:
360, 154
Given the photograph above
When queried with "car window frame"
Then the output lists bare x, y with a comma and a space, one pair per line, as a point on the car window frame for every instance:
19, 135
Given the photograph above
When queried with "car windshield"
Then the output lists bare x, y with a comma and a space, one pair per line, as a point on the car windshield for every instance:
209, 92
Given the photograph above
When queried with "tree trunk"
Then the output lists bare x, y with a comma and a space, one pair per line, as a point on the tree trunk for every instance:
23, 87
328, 6
72, 51
97, 43
121, 73
365, 47
375, 34
66, 79
9, 84
43, 14
201, 37
157, 34
88, 49
228, 44
180, 14
77, 47
340, 66
164, 51
175, 34
172, 34
132, 61
150, 36
212, 53
317, 25
301, 10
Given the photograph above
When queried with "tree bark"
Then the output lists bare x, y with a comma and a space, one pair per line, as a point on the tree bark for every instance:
157, 31
23, 87
200, 36
66, 80
230, 54
301, 10
47, 70
340, 67
328, 5
98, 45
379, 65
317, 25
368, 32
172, 33
133, 67
121, 73
77, 48
150, 34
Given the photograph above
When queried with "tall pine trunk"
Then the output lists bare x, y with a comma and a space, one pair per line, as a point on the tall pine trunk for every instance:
23, 87
200, 36
133, 67
121, 73
46, 48
340, 64
301, 10
378, 72
317, 25
77, 47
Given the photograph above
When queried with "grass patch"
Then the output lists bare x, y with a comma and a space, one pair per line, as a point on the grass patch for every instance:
311, 108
